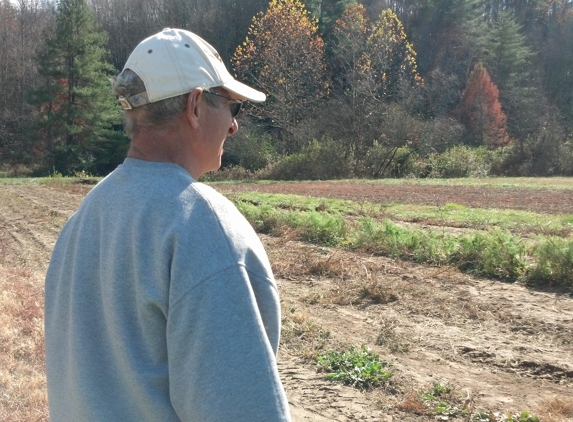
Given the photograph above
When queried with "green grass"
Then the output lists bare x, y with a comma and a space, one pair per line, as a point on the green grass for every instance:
453, 215
44, 180
494, 253
461, 216
502, 244
358, 367
445, 403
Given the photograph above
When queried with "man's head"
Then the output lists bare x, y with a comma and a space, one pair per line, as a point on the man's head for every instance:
170, 71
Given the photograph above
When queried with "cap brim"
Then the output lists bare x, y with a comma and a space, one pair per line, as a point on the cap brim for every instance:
244, 92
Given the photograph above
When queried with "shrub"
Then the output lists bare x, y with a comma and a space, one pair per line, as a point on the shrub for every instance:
234, 173
460, 161
318, 160
553, 262
250, 150
383, 161
547, 152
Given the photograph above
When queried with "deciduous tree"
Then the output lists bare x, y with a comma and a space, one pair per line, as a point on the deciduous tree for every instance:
480, 110
353, 95
284, 56
21, 24
391, 55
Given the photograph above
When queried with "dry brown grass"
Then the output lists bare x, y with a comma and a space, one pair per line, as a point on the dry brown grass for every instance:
389, 338
413, 403
301, 335
22, 378
556, 409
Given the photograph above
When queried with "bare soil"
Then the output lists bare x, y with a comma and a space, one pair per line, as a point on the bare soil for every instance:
550, 201
502, 348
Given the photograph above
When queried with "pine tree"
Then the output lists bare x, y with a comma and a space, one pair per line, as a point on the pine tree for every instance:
480, 110
77, 109
507, 54
508, 59
284, 56
448, 34
557, 59
328, 12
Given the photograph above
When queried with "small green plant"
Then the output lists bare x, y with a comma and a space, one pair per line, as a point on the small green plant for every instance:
489, 417
443, 401
358, 367
437, 392
523, 417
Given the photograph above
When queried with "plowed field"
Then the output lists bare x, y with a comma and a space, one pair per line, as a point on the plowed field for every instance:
499, 348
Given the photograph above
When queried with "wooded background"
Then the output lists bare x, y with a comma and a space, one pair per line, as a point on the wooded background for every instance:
378, 88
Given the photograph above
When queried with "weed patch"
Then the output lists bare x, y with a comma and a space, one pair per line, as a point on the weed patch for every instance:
492, 417
444, 402
358, 367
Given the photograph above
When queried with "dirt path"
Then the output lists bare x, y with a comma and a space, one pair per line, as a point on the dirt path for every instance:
500, 347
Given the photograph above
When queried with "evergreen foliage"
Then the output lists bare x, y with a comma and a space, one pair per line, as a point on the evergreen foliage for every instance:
328, 12
77, 110
557, 62
508, 59
448, 34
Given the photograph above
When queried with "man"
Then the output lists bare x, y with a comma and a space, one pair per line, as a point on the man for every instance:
160, 300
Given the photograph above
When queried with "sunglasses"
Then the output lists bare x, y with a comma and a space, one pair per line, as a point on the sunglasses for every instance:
234, 105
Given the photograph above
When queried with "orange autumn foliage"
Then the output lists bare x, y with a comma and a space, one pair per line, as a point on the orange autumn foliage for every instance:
480, 110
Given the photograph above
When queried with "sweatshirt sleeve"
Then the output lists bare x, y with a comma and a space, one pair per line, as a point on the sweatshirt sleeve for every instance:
222, 363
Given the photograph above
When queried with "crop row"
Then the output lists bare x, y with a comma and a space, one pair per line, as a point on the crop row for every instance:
493, 251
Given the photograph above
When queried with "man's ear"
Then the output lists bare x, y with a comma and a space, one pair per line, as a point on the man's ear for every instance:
194, 110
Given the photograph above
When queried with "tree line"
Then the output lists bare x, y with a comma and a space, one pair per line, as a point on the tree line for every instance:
374, 88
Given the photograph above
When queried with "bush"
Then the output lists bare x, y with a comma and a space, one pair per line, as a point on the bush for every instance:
249, 149
548, 152
382, 161
459, 161
554, 262
319, 160
233, 173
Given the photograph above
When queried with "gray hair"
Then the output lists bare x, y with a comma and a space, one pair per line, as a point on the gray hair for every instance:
158, 113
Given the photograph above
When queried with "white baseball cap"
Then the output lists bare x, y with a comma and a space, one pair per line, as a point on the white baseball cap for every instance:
174, 62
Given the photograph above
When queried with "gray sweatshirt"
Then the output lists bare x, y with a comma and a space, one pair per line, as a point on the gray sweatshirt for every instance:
161, 306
